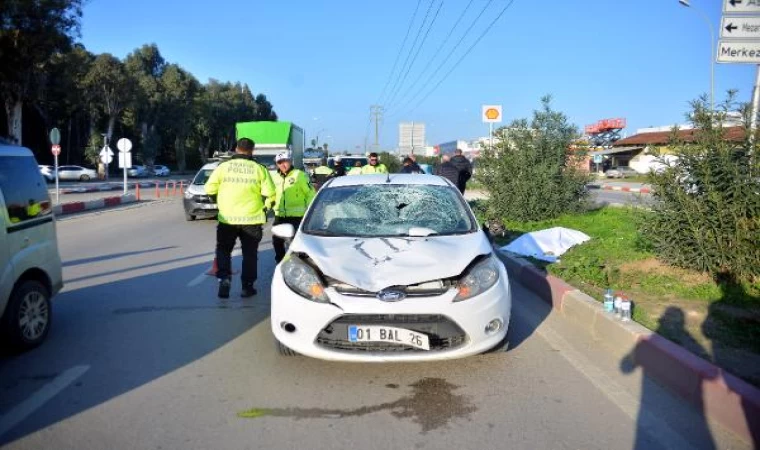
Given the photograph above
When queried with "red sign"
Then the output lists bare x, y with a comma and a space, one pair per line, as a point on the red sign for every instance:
56, 150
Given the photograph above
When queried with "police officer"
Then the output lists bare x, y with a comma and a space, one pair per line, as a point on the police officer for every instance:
293, 194
374, 166
322, 172
340, 170
357, 169
241, 186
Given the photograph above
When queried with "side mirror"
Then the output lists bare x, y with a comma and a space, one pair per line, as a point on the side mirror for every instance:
284, 231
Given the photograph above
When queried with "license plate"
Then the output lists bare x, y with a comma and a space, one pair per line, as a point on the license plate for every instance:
208, 206
359, 333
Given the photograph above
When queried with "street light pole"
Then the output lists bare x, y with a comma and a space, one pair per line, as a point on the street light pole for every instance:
712, 52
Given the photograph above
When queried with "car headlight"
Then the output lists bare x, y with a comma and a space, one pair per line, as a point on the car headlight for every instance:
303, 279
188, 195
481, 277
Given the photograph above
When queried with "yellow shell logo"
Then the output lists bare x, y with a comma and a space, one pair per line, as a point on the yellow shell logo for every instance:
492, 113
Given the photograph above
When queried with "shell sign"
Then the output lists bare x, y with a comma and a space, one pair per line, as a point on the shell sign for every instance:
491, 113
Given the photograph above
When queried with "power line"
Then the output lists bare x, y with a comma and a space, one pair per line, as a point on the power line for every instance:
438, 51
414, 58
414, 44
464, 55
400, 50
446, 59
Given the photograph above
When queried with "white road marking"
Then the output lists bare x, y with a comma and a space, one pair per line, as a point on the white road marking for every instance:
39, 398
204, 276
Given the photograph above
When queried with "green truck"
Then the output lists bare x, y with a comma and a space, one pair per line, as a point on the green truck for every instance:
272, 138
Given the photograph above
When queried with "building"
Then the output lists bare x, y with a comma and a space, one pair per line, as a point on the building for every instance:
411, 136
639, 151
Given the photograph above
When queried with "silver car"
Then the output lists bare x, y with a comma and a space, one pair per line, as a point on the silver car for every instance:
161, 171
76, 173
620, 172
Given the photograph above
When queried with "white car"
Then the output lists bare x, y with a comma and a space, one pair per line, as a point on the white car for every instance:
389, 268
620, 172
30, 265
76, 173
161, 171
48, 172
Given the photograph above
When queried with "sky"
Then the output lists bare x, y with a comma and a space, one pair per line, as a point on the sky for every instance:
322, 64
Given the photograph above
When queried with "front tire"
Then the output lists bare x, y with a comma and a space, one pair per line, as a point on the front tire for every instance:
28, 316
84, 178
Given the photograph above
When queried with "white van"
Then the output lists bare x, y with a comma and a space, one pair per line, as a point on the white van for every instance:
30, 265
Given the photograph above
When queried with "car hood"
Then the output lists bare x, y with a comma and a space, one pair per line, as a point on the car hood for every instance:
374, 264
196, 189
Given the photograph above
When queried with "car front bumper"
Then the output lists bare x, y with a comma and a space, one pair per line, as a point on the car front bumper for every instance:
468, 318
199, 209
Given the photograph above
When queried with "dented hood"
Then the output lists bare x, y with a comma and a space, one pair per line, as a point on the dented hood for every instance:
374, 264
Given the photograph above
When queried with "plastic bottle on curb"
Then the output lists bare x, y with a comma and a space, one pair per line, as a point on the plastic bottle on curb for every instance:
625, 308
609, 302
618, 303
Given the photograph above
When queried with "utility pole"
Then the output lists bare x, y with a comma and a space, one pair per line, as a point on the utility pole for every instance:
376, 114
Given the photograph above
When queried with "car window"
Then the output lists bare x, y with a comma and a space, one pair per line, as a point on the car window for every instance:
266, 161
388, 210
23, 188
202, 177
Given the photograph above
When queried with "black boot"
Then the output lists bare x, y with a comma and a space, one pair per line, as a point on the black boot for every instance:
224, 288
248, 290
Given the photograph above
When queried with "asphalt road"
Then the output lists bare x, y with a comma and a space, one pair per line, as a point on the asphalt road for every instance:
143, 355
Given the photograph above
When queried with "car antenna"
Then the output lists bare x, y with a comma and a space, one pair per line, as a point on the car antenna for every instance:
388, 179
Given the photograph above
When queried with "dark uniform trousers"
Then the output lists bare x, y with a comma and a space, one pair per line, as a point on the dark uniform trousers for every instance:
250, 237
279, 243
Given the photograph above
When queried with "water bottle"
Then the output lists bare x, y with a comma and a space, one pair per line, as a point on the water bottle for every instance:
625, 308
618, 305
609, 302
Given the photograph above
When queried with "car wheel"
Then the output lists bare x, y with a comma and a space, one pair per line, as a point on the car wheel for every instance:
28, 316
189, 217
84, 178
283, 350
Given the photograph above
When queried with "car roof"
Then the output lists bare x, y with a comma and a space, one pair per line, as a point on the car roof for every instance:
14, 150
395, 178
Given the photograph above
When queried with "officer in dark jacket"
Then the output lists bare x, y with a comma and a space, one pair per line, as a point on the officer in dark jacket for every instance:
410, 166
448, 170
464, 167
338, 170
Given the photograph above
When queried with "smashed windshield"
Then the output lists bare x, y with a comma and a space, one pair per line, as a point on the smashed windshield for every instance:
389, 210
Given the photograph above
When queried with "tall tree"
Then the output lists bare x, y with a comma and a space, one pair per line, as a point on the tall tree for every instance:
109, 88
180, 89
31, 32
146, 66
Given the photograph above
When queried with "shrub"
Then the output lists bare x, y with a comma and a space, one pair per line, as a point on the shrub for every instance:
531, 173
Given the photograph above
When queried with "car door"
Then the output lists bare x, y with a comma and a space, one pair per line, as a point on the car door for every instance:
66, 173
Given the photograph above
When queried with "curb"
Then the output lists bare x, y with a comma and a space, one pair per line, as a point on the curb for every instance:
621, 189
75, 207
142, 184
730, 401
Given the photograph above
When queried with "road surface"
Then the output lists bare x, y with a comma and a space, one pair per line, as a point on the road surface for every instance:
143, 355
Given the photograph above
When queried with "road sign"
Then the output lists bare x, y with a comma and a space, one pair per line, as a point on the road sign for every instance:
741, 6
737, 27
56, 149
597, 159
125, 160
491, 113
55, 136
106, 151
106, 158
124, 145
744, 51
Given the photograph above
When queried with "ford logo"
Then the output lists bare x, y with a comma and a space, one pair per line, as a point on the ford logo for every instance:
391, 295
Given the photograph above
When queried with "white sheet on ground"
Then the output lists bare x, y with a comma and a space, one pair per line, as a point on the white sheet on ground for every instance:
546, 245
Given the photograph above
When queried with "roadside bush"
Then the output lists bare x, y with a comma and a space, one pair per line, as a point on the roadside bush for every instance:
531, 173
707, 210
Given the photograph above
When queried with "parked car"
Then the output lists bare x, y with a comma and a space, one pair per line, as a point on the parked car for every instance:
196, 202
620, 172
161, 171
30, 265
369, 275
76, 173
48, 172
137, 171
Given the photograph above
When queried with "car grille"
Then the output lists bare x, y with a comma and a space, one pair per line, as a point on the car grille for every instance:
203, 199
427, 289
443, 333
